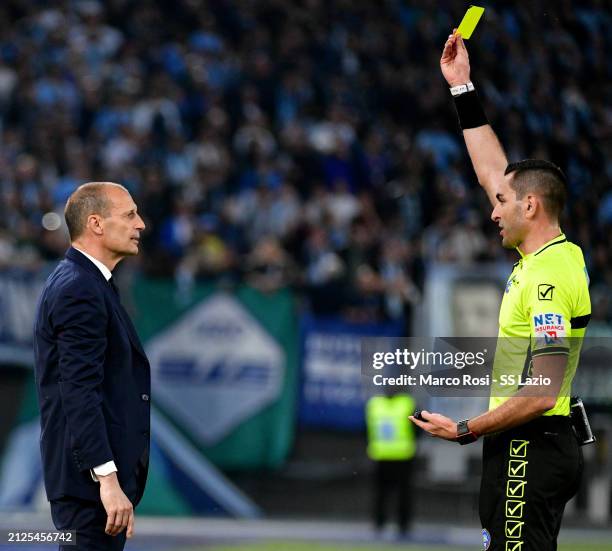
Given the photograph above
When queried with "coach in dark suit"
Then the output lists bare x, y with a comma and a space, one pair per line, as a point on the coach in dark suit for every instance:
93, 376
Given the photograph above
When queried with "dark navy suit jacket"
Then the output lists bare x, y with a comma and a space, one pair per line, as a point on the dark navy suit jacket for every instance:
93, 382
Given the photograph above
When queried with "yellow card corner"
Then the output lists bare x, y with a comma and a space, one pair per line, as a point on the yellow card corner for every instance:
470, 20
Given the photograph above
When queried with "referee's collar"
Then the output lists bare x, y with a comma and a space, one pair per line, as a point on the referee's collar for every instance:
559, 239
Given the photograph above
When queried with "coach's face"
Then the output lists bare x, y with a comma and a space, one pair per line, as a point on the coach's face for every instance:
122, 227
509, 215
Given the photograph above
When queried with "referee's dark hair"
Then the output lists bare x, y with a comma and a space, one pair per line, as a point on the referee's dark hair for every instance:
543, 177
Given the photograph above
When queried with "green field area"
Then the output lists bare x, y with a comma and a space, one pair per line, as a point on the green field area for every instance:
307, 546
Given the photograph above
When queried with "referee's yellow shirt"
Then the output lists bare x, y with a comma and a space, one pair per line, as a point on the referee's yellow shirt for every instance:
545, 310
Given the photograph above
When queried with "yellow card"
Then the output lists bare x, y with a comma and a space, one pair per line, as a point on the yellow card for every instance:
469, 21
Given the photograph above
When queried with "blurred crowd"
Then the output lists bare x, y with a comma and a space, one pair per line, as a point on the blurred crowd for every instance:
310, 144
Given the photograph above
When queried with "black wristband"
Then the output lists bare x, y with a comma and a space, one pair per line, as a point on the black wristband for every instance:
470, 111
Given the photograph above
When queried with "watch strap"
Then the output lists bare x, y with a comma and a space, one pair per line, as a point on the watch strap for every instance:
464, 434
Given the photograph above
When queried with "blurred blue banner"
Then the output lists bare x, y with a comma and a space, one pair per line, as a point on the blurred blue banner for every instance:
331, 393
19, 291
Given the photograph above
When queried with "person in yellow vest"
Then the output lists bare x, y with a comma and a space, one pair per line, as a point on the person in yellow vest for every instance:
391, 445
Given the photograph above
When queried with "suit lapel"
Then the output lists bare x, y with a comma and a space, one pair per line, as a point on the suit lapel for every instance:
127, 323
75, 256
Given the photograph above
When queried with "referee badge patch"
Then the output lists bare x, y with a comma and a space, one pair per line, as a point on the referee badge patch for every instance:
511, 280
486, 539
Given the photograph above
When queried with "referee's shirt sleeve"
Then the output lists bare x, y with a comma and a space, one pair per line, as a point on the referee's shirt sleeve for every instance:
548, 303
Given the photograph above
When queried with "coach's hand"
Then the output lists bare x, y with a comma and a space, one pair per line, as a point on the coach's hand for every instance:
455, 63
436, 425
119, 509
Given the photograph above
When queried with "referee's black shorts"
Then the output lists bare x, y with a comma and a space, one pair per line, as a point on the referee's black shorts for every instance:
529, 473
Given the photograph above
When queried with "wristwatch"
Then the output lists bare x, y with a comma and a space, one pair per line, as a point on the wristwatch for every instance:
464, 434
462, 89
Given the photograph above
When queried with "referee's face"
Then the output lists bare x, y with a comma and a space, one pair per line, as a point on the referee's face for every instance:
508, 214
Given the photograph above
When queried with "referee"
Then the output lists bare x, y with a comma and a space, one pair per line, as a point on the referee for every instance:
532, 463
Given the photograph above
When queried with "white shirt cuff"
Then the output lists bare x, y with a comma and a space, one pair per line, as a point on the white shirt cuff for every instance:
103, 470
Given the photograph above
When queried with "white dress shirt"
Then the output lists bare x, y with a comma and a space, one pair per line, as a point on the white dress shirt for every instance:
108, 467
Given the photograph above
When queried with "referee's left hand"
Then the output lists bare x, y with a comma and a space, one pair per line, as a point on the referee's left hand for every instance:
437, 425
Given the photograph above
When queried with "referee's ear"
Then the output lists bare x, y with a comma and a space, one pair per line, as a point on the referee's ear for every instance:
533, 203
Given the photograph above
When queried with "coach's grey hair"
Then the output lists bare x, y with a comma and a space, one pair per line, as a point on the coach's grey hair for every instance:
87, 199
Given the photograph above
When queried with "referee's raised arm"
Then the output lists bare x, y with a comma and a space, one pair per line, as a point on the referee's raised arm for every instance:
486, 153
